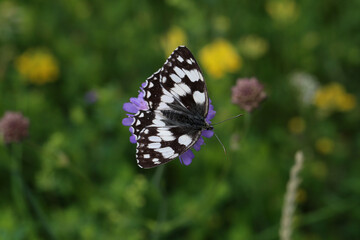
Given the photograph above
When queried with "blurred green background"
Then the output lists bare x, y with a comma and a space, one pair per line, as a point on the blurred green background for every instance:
69, 66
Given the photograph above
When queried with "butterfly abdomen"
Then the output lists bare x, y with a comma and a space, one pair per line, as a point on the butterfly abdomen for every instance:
196, 122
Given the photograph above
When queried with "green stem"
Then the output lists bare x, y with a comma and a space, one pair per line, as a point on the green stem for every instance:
22, 195
247, 122
16, 181
157, 176
17, 189
39, 213
163, 203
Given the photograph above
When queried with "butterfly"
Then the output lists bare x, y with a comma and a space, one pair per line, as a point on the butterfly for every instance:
175, 105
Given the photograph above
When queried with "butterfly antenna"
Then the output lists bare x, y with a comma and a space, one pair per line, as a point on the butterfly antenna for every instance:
221, 144
227, 162
239, 115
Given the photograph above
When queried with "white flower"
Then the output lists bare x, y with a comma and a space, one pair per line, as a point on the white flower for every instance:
306, 86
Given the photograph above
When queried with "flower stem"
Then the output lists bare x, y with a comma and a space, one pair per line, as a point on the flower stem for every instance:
17, 188
39, 213
247, 122
24, 200
163, 203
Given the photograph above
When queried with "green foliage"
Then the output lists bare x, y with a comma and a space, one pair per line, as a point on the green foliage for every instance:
75, 175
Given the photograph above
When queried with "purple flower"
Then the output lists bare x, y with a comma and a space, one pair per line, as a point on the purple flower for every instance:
248, 93
137, 104
13, 127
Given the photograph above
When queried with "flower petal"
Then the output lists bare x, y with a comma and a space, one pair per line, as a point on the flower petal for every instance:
133, 139
207, 133
187, 157
198, 144
211, 115
131, 108
139, 102
127, 121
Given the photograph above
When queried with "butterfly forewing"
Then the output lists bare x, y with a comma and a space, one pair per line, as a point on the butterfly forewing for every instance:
182, 77
178, 102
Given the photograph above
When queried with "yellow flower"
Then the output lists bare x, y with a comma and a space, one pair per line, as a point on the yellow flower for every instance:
253, 46
334, 97
219, 58
37, 66
346, 102
283, 11
174, 37
324, 145
296, 125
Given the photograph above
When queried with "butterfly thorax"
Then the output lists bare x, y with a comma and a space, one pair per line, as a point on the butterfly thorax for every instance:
193, 121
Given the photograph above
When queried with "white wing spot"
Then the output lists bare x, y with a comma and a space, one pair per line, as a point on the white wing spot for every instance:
156, 161
199, 97
158, 123
185, 87
178, 90
201, 77
166, 151
163, 106
184, 140
154, 145
195, 74
155, 139
146, 155
151, 84
188, 61
148, 94
191, 75
165, 134
179, 72
163, 79
167, 99
175, 78
180, 59
167, 138
146, 131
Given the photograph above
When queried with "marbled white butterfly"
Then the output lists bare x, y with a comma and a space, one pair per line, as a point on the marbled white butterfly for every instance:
171, 112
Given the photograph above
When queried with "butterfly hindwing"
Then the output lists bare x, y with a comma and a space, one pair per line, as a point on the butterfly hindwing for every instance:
159, 145
177, 99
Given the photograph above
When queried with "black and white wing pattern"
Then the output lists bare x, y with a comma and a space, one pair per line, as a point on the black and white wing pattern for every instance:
177, 107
